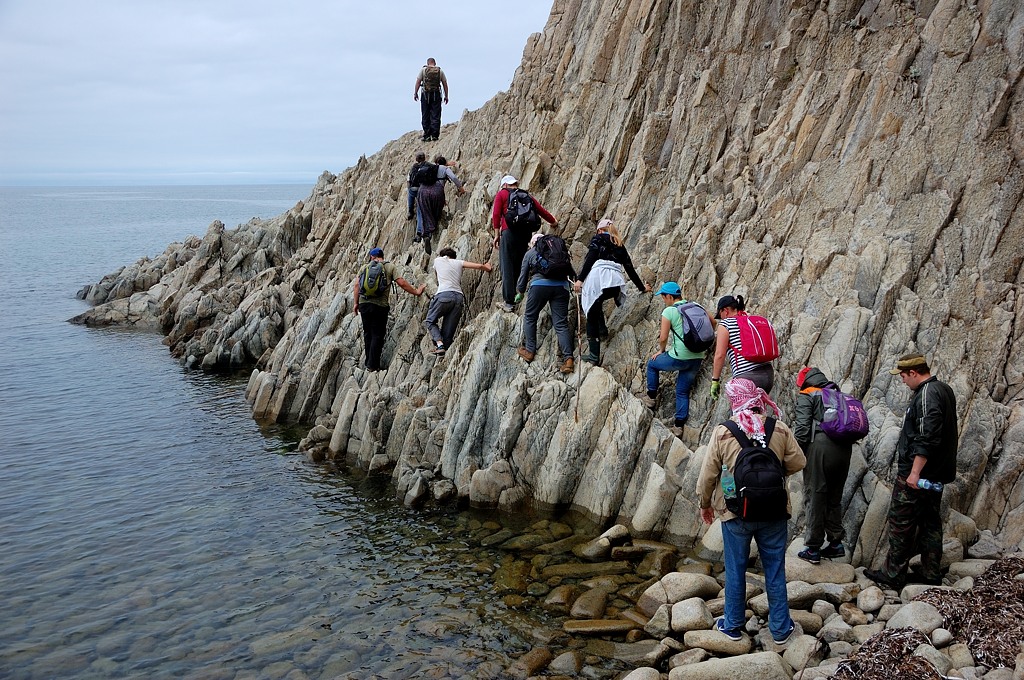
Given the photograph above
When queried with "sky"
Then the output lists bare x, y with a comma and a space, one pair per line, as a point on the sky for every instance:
141, 92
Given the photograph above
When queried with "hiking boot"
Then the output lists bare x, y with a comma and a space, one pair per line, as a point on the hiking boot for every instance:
785, 638
733, 635
594, 355
567, 366
410, 216
915, 576
833, 550
676, 431
506, 307
426, 244
438, 351
525, 353
881, 579
811, 555
648, 401
417, 238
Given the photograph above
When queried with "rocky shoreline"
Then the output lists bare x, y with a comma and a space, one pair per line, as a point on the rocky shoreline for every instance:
645, 605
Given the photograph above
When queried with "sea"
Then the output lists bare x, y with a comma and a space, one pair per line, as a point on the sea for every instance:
150, 528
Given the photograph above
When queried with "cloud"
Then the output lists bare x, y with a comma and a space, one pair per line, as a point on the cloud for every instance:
146, 92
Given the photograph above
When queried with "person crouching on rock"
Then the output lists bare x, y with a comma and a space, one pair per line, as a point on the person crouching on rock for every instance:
430, 199
721, 489
371, 288
547, 268
449, 299
606, 259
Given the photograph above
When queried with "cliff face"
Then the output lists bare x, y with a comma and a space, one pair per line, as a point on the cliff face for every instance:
853, 168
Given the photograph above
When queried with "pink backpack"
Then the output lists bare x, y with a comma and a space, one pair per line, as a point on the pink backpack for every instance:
758, 343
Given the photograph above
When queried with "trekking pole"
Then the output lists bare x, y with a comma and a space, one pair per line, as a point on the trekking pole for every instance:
579, 342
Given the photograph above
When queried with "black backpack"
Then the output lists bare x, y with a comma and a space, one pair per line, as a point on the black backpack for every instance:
698, 335
425, 175
521, 215
553, 257
760, 478
373, 280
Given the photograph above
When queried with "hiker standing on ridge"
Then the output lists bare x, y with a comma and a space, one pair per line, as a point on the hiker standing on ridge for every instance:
760, 515
430, 197
514, 240
371, 288
449, 299
606, 259
682, 322
926, 450
547, 267
828, 464
432, 79
747, 341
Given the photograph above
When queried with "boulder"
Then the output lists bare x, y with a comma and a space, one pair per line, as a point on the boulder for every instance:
717, 643
805, 651
920, 615
691, 614
870, 600
759, 666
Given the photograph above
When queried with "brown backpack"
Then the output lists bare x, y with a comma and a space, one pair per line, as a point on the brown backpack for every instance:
431, 78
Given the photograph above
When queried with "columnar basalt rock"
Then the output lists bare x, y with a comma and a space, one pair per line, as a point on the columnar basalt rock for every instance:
853, 169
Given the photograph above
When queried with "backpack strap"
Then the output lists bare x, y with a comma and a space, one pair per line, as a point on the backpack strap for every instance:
673, 328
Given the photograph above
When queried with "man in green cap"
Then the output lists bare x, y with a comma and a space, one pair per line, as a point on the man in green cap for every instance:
926, 451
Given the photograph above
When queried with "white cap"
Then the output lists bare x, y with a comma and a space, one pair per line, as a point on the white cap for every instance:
509, 179
536, 237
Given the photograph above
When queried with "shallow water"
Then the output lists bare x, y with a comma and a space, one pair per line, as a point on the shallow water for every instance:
149, 528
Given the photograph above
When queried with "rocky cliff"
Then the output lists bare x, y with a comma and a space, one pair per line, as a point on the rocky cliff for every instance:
852, 167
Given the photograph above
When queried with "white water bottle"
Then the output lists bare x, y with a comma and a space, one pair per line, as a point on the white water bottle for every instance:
929, 486
728, 483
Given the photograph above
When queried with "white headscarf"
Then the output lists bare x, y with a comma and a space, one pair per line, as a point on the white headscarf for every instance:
535, 238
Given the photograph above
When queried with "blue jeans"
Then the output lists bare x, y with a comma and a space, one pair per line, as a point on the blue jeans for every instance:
556, 297
771, 540
411, 203
687, 368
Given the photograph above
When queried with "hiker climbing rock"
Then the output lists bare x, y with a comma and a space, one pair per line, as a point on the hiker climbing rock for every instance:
547, 267
756, 452
431, 79
516, 215
370, 302
747, 341
926, 450
687, 331
449, 299
828, 463
430, 196
601, 278
413, 190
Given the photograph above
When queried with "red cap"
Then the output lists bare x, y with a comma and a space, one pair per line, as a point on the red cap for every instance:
801, 376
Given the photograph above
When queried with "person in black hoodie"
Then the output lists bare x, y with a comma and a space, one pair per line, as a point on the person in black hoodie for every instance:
828, 464
606, 259
926, 451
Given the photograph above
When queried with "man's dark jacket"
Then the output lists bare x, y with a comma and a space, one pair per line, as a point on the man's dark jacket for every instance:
929, 430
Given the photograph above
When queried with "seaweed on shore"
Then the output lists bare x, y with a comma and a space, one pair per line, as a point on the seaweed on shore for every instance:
989, 617
887, 655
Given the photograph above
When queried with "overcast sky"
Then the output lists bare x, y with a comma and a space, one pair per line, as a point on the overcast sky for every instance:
113, 92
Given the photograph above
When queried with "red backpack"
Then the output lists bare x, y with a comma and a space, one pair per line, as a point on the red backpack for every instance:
758, 343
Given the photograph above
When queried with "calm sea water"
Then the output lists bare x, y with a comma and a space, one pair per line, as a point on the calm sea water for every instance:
149, 528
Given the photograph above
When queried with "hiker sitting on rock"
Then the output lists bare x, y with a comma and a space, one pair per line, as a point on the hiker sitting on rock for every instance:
371, 289
828, 463
687, 331
449, 299
750, 444
430, 198
606, 259
547, 267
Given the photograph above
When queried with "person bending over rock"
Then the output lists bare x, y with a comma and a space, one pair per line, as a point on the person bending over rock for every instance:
449, 299
430, 199
601, 278
414, 186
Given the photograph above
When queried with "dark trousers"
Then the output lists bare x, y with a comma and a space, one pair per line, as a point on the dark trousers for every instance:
430, 111
375, 329
511, 249
448, 306
596, 326
915, 526
763, 376
828, 464
557, 298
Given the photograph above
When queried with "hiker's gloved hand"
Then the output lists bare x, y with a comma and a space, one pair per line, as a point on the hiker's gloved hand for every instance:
716, 389
519, 298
